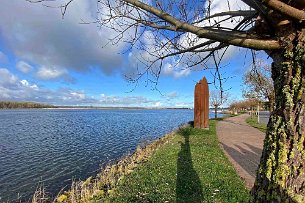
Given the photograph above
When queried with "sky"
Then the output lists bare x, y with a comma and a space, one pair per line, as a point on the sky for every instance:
47, 59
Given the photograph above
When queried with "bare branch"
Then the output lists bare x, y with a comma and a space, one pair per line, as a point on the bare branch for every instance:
229, 37
258, 6
229, 13
285, 9
191, 49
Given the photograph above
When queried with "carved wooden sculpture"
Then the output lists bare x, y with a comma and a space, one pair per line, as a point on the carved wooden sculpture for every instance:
201, 104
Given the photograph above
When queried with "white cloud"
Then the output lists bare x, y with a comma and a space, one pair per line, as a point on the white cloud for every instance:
78, 95
25, 83
125, 100
172, 94
43, 38
177, 67
188, 40
140, 60
169, 70
46, 73
24, 67
182, 73
3, 57
6, 78
15, 89
12, 88
184, 105
157, 104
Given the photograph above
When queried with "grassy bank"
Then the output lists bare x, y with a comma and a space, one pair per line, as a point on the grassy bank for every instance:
253, 122
191, 167
184, 166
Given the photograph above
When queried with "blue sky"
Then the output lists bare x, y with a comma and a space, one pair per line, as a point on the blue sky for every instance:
44, 58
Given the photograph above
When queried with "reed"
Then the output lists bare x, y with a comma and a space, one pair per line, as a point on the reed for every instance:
40, 195
104, 184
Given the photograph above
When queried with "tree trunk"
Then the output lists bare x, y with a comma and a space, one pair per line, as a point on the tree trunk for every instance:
271, 103
281, 173
215, 107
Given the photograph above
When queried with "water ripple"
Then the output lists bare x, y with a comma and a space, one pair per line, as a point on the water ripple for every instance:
55, 146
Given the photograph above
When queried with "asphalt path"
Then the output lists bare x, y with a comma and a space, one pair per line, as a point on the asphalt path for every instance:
242, 144
264, 116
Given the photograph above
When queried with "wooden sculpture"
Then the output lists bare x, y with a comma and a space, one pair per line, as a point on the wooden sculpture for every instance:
201, 104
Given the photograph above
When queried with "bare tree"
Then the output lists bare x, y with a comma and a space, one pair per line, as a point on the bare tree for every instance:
259, 84
242, 106
217, 99
187, 32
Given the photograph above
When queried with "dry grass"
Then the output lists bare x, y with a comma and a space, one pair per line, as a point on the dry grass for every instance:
40, 195
105, 182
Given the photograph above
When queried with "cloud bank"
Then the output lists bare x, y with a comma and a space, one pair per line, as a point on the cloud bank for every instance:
16, 89
24, 67
42, 37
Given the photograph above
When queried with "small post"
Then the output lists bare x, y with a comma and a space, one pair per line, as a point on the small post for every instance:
258, 112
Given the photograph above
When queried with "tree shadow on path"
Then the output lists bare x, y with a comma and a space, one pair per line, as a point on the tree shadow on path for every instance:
245, 158
188, 185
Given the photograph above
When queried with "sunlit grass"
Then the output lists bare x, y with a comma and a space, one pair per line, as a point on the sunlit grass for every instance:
185, 166
189, 168
253, 122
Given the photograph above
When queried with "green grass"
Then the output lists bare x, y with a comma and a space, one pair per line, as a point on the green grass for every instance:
191, 167
253, 122
225, 116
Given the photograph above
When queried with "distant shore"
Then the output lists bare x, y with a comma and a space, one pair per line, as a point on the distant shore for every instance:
33, 105
115, 108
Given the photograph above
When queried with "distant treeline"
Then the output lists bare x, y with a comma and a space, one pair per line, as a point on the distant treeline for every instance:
19, 105
27, 105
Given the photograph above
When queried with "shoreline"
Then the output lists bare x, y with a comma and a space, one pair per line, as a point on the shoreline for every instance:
106, 180
109, 162
161, 170
140, 128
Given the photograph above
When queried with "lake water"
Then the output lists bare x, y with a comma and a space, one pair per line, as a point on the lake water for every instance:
54, 146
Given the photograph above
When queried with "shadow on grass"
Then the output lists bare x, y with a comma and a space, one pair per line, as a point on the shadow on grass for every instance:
191, 123
188, 185
218, 119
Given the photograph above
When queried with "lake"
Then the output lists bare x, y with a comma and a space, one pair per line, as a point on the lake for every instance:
55, 146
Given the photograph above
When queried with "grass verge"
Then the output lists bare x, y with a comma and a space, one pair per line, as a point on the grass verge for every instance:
191, 167
253, 122
185, 166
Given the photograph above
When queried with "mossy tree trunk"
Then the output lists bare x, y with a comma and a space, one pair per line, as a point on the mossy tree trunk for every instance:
281, 173
271, 103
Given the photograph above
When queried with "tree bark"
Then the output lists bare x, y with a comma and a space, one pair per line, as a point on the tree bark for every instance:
271, 103
281, 173
215, 108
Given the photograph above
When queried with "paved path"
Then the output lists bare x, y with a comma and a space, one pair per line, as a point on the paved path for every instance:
242, 144
264, 116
